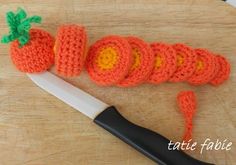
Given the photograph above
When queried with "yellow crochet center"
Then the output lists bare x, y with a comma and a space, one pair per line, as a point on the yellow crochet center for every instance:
54, 47
158, 62
180, 60
137, 56
200, 65
107, 58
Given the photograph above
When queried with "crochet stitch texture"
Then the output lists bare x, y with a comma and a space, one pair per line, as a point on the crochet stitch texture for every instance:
205, 67
142, 65
165, 63
186, 63
109, 60
30, 49
70, 50
35, 56
223, 71
187, 104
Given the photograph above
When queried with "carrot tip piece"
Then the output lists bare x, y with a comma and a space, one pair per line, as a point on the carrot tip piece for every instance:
187, 104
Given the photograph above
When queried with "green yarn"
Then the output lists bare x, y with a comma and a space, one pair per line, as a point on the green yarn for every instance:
19, 26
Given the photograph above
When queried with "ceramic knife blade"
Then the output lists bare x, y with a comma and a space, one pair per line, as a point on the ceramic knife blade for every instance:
75, 97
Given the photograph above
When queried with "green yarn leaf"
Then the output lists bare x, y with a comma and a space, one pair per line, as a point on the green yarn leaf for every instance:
7, 39
10, 17
34, 19
24, 26
19, 26
23, 39
21, 14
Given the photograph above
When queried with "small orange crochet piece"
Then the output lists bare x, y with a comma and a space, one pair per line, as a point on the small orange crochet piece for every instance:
186, 63
205, 67
165, 63
223, 71
142, 64
70, 50
187, 103
37, 55
109, 60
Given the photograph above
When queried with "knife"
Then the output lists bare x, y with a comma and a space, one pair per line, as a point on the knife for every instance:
151, 144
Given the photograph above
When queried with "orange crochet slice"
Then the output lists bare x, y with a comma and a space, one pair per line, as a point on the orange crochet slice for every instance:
187, 104
165, 63
70, 50
205, 69
109, 60
142, 64
35, 56
223, 71
186, 63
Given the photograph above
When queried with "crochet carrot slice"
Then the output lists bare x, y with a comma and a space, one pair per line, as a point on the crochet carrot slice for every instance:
186, 63
142, 64
31, 49
223, 71
187, 104
109, 60
205, 69
70, 50
165, 63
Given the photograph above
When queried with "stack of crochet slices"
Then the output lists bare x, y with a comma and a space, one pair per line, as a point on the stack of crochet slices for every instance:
112, 60
130, 61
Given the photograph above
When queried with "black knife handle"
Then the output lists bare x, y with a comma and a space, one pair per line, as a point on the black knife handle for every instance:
146, 141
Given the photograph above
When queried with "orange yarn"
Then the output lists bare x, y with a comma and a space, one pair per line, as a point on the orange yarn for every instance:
187, 103
223, 71
70, 50
109, 60
37, 55
165, 63
205, 69
142, 65
186, 63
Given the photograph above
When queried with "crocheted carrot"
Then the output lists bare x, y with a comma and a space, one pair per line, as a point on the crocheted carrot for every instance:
187, 104
30, 49
70, 50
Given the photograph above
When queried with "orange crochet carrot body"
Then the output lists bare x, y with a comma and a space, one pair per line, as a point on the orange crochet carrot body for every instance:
70, 50
187, 104
109, 60
31, 49
142, 64
165, 63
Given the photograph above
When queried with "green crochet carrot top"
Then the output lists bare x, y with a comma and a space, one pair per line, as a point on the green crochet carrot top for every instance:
19, 26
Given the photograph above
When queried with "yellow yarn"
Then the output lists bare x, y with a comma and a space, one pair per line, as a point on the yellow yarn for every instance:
136, 55
158, 61
180, 60
107, 58
200, 65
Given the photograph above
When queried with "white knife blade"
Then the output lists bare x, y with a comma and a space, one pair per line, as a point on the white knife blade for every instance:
73, 96
231, 2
